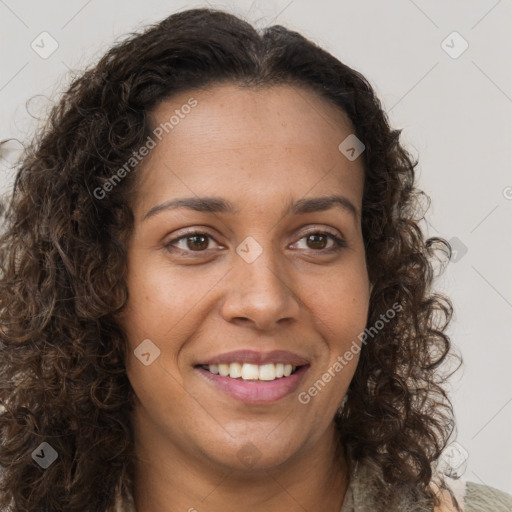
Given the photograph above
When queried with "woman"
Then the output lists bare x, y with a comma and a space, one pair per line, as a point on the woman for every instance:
215, 292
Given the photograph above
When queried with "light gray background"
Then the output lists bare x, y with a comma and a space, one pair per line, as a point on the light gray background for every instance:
455, 114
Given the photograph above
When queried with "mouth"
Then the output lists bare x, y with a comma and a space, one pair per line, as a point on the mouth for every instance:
253, 377
254, 372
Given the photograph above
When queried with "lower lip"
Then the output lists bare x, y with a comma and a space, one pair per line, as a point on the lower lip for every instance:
256, 391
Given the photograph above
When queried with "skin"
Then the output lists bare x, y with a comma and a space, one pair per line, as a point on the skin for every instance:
259, 149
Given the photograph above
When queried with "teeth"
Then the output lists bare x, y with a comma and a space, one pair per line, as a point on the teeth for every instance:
267, 372
235, 370
248, 371
224, 370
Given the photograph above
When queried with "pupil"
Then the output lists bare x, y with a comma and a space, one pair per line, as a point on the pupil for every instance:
193, 240
316, 242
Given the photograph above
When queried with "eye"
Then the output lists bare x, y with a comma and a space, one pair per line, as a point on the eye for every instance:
195, 241
198, 241
317, 240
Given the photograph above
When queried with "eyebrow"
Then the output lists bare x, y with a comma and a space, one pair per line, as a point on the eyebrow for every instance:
220, 205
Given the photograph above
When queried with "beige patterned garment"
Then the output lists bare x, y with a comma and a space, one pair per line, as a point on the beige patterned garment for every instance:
361, 496
456, 496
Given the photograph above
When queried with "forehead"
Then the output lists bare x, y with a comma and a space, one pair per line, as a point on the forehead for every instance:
226, 114
273, 140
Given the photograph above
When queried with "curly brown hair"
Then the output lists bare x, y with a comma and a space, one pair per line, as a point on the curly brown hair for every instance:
63, 261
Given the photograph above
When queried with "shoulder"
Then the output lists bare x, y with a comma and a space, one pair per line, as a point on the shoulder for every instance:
483, 498
465, 496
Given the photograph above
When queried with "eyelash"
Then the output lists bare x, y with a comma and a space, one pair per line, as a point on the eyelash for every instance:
339, 243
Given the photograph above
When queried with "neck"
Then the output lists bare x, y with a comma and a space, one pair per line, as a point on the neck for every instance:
168, 479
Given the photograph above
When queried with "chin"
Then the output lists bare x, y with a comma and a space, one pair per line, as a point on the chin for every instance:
254, 453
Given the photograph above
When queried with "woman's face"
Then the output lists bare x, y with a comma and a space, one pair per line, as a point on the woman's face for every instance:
261, 284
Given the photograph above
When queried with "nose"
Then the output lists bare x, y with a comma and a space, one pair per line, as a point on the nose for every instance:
260, 295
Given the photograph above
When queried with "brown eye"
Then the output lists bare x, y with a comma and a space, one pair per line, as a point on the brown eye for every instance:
197, 242
322, 242
192, 242
317, 241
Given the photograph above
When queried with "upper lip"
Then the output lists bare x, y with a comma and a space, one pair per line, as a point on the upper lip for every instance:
259, 358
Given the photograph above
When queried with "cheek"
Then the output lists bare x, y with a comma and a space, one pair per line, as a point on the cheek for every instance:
342, 308
163, 308
157, 301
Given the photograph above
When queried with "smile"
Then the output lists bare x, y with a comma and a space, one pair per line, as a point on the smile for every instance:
247, 371
252, 390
